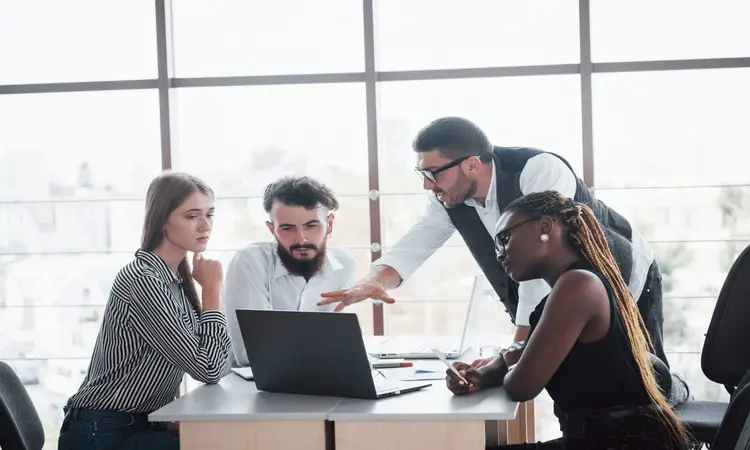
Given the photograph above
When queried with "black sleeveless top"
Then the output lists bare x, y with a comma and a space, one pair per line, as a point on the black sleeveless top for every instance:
596, 375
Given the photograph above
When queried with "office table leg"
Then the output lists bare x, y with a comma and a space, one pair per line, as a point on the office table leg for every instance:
254, 435
529, 422
517, 431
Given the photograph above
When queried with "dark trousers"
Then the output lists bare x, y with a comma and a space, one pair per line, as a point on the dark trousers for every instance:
87, 429
617, 428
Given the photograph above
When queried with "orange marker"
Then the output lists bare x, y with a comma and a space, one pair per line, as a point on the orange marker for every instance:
391, 364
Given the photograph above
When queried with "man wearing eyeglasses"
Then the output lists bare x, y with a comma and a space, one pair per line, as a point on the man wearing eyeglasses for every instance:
472, 181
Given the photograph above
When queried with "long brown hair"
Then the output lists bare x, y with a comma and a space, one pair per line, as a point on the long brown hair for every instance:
586, 236
165, 194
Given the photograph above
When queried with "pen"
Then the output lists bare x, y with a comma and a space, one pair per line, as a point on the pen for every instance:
391, 365
445, 361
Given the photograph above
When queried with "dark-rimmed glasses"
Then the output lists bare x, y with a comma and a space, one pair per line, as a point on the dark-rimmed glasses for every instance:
431, 174
502, 238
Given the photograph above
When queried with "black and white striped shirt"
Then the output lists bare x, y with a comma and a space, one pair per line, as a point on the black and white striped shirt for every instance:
149, 338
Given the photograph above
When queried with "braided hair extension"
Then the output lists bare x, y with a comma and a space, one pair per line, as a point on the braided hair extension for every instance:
587, 237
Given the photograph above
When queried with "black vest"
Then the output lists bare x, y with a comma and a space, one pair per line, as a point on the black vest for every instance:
509, 162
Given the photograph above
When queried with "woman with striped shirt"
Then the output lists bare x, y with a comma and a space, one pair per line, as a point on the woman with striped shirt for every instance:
155, 329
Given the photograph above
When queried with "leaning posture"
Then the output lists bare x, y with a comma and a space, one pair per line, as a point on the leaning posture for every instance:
587, 344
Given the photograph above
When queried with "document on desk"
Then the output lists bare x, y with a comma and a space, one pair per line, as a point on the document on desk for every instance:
409, 374
244, 372
420, 376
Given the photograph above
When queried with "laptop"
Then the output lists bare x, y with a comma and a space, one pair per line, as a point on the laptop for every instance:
313, 353
420, 347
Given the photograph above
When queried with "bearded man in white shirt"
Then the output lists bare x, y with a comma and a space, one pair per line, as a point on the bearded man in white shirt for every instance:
290, 272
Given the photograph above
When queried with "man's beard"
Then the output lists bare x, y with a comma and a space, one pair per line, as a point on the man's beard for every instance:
462, 184
304, 268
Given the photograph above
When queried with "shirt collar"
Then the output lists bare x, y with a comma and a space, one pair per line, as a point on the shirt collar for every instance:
331, 264
154, 261
491, 192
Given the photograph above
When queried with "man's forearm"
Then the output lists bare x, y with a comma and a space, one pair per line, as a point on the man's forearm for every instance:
386, 276
522, 333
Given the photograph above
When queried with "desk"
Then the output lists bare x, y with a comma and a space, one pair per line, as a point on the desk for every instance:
432, 418
234, 415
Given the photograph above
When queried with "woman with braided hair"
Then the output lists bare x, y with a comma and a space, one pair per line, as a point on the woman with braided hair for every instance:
587, 344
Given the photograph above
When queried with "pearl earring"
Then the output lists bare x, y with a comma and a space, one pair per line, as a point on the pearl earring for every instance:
544, 237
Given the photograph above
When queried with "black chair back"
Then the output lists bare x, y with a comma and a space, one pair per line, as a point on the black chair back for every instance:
726, 355
20, 427
734, 432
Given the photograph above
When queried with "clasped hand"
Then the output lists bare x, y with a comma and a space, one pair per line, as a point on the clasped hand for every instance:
474, 373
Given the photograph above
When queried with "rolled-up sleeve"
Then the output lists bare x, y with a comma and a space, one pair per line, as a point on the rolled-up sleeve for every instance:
432, 230
156, 317
530, 293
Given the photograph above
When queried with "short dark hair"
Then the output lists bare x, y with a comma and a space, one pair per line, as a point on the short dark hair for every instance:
299, 191
454, 137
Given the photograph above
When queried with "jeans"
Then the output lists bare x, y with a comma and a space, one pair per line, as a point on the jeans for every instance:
87, 429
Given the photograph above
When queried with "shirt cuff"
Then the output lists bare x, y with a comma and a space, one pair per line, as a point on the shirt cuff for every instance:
213, 322
402, 270
530, 293
523, 314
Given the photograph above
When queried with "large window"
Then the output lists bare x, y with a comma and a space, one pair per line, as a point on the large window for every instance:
440, 34
669, 30
74, 168
671, 128
98, 97
47, 41
241, 138
667, 148
238, 37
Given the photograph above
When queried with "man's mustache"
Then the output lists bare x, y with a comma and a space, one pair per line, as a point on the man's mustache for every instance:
302, 246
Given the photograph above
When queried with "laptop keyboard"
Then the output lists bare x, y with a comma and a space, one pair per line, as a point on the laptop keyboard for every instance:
401, 345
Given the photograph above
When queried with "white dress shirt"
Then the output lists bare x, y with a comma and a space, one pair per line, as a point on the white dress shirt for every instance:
543, 172
257, 279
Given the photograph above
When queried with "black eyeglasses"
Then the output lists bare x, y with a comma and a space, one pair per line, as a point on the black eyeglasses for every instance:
502, 238
431, 174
